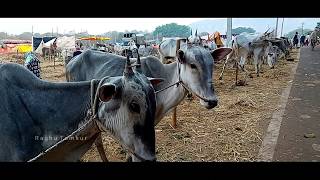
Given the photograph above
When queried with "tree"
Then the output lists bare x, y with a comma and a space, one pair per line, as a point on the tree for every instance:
172, 30
25, 36
240, 30
318, 24
293, 32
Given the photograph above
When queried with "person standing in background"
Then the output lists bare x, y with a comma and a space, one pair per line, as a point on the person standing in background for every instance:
295, 40
302, 40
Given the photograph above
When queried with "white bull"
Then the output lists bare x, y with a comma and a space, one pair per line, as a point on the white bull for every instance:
245, 45
314, 37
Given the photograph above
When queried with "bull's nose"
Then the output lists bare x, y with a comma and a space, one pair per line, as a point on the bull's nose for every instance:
212, 104
272, 67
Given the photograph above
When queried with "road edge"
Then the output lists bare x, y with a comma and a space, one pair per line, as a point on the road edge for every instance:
270, 139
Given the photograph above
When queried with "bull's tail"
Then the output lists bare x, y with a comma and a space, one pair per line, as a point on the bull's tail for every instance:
235, 48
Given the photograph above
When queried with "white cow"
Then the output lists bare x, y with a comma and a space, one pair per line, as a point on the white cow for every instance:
168, 46
314, 37
246, 44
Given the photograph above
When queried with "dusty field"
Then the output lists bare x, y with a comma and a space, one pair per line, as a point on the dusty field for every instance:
231, 132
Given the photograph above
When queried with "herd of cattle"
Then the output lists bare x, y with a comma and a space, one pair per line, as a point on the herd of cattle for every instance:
59, 121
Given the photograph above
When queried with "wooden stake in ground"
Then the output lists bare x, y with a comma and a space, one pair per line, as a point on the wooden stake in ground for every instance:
237, 70
174, 118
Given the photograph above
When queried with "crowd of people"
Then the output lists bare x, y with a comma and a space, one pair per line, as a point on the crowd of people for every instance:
303, 40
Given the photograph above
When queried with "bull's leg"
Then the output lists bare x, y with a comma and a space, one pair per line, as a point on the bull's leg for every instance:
174, 118
100, 148
259, 65
256, 66
237, 70
247, 73
224, 65
242, 61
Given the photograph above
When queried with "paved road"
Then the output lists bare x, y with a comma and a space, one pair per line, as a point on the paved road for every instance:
302, 113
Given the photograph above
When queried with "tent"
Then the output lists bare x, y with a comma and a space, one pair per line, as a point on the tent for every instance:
43, 44
66, 44
91, 42
37, 41
94, 38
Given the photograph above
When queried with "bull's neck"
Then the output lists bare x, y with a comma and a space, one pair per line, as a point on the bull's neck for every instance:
58, 108
171, 97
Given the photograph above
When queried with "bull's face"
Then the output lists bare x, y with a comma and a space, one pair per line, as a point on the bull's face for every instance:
272, 55
196, 72
127, 109
271, 59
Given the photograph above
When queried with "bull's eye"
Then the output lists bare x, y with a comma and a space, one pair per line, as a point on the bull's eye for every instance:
193, 66
134, 107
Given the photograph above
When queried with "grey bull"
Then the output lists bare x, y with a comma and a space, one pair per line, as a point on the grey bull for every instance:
246, 44
192, 71
36, 114
283, 44
168, 49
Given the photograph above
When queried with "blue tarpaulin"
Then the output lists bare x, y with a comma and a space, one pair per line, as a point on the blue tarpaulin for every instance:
37, 41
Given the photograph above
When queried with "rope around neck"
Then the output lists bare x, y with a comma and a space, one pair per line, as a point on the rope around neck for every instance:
182, 84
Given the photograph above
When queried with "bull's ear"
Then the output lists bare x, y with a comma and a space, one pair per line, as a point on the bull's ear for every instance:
155, 81
180, 56
220, 53
106, 92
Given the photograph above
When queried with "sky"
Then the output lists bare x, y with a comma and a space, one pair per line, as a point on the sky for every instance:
92, 25
98, 26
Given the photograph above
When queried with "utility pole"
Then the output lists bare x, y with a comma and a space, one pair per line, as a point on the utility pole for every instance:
302, 29
276, 33
229, 29
32, 38
282, 27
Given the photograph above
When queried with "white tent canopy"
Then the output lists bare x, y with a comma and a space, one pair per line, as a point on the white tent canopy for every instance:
42, 45
66, 42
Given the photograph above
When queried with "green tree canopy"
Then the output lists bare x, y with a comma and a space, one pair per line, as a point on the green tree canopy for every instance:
240, 30
172, 30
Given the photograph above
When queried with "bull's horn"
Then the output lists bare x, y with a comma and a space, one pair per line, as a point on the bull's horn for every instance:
267, 31
178, 45
138, 64
128, 69
200, 43
271, 32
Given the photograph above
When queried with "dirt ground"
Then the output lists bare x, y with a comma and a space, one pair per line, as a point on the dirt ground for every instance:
232, 131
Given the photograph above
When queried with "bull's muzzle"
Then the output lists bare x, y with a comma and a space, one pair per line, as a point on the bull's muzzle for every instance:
210, 103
